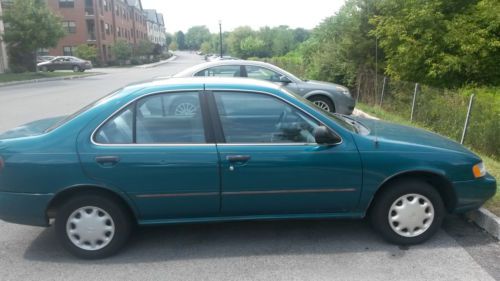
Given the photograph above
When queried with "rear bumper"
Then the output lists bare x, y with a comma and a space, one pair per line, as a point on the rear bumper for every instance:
472, 194
24, 208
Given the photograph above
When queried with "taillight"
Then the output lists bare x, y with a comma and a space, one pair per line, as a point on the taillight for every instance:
2, 163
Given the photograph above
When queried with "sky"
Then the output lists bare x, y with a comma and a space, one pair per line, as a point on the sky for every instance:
182, 14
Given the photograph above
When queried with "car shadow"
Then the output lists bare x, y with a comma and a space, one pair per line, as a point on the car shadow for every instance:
236, 239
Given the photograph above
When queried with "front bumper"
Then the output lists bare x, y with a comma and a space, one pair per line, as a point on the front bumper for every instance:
24, 208
472, 194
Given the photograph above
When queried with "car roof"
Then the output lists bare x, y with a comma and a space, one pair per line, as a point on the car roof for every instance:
205, 65
207, 82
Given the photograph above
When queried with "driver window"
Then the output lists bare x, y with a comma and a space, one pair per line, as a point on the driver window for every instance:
260, 118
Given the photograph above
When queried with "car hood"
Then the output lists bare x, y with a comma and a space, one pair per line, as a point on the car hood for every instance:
31, 129
386, 132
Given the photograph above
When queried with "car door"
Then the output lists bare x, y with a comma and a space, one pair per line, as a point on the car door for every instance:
58, 64
270, 163
159, 152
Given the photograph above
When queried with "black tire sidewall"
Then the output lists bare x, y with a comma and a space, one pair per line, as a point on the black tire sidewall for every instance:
76, 68
119, 215
379, 212
325, 100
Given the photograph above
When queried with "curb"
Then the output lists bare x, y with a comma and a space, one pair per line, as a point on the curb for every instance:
151, 65
482, 217
33, 81
485, 220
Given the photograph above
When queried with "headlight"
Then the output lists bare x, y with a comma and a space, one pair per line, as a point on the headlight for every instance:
479, 170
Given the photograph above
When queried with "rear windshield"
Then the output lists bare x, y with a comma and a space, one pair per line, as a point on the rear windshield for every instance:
82, 110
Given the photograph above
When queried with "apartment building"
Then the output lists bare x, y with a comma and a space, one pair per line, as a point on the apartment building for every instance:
99, 23
3, 51
156, 27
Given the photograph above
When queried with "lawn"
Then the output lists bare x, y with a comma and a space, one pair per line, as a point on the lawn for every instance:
10, 77
492, 165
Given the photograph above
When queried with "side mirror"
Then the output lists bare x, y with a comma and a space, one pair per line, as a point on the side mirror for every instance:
323, 135
285, 80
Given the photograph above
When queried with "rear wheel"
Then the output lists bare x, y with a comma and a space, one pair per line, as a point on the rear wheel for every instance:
92, 226
76, 68
324, 103
44, 69
408, 212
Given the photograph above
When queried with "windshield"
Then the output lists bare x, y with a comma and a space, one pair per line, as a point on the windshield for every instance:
80, 111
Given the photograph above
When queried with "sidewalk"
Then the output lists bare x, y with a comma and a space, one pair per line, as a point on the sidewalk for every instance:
71, 77
157, 63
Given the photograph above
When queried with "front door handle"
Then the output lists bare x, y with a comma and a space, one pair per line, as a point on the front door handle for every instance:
107, 160
238, 158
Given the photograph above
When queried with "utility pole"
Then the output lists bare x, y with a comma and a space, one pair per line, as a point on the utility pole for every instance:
3, 51
220, 37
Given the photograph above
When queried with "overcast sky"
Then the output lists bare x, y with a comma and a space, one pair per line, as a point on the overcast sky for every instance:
182, 14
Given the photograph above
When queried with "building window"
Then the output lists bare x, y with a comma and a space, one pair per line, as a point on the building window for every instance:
43, 52
105, 2
106, 27
66, 3
69, 26
68, 50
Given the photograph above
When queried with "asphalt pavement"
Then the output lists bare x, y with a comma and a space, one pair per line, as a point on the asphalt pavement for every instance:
269, 250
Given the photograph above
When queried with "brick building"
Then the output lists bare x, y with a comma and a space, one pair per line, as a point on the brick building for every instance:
156, 27
99, 23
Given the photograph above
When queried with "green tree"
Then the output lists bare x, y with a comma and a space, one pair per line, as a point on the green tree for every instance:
122, 51
236, 37
196, 35
169, 38
30, 26
86, 52
180, 39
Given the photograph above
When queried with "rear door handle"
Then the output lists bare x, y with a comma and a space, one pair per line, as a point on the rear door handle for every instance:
107, 160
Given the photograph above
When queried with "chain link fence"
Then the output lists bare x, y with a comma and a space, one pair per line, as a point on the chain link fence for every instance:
468, 116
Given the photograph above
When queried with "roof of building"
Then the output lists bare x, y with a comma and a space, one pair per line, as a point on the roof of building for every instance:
135, 3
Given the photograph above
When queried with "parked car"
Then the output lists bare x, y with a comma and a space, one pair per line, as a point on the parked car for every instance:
65, 63
328, 96
219, 149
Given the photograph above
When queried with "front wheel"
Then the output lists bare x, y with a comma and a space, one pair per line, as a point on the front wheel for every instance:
92, 226
408, 212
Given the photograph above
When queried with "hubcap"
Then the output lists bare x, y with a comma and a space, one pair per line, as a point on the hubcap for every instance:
185, 109
411, 215
90, 228
323, 105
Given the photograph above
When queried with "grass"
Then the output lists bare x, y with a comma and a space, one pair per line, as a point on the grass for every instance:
492, 165
11, 77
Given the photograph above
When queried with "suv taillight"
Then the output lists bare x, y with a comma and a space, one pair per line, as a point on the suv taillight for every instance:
2, 163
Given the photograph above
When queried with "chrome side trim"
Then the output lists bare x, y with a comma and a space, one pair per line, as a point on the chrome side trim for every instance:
258, 192
166, 195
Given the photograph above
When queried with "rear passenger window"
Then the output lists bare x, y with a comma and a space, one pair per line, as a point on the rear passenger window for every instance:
159, 119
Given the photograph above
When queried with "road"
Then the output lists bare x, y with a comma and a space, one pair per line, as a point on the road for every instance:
288, 250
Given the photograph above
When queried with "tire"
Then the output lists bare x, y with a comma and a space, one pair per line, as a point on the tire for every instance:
323, 103
111, 226
407, 203
76, 68
44, 69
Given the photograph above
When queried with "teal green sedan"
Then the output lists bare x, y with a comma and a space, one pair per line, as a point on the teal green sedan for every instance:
187, 150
